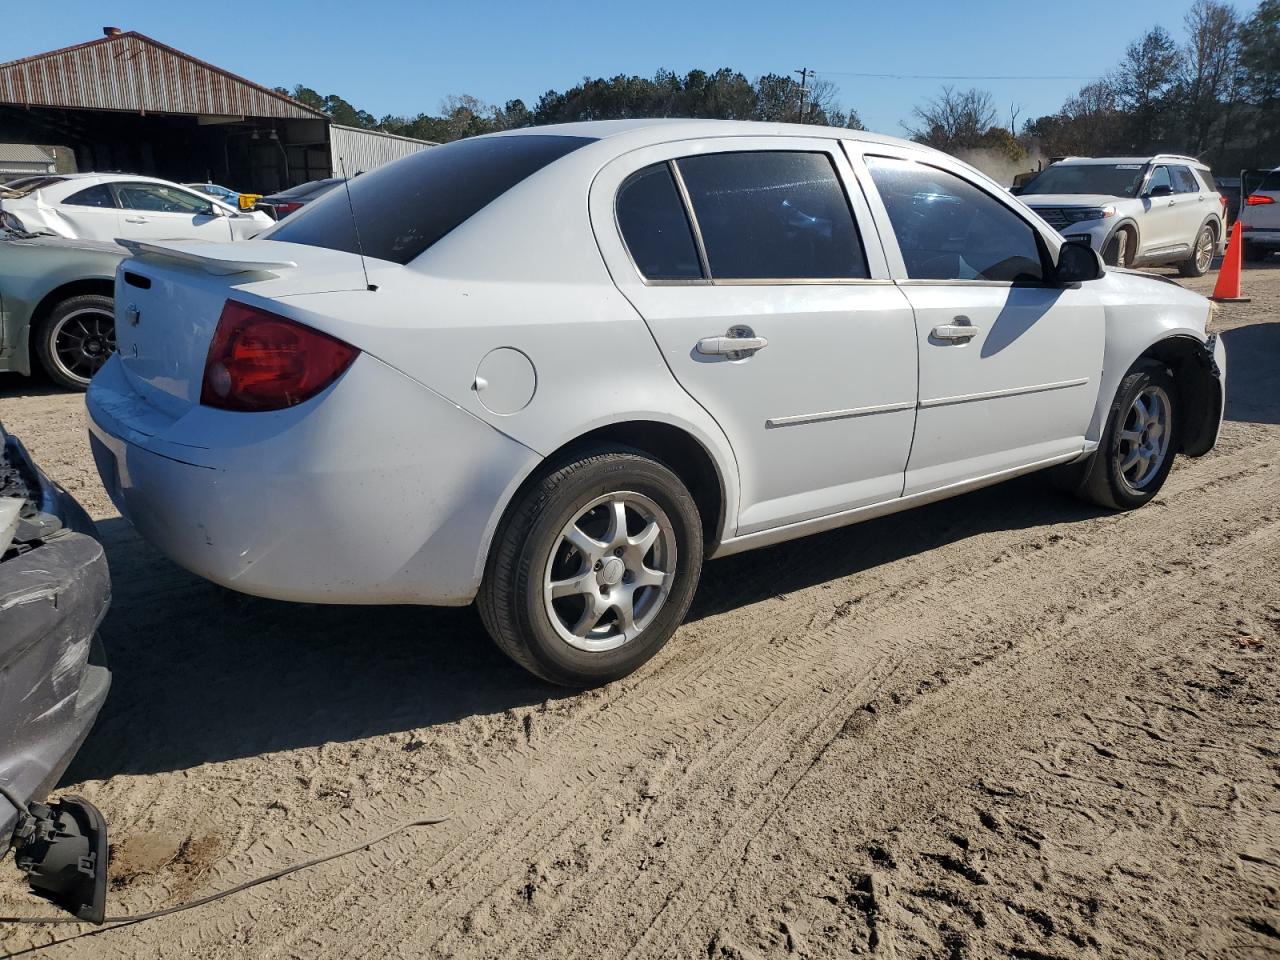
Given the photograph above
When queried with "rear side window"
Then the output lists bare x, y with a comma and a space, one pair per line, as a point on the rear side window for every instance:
776, 215
655, 228
1184, 181
948, 229
401, 209
97, 196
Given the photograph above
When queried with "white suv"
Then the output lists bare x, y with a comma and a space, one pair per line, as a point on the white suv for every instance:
1135, 211
1260, 218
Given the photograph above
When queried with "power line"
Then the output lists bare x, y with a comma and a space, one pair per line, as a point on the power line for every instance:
947, 76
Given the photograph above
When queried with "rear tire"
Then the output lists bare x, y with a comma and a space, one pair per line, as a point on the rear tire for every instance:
593, 568
76, 338
1254, 253
1202, 251
1138, 444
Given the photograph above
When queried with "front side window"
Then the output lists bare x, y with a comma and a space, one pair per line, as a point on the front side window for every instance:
403, 208
1184, 181
1159, 178
95, 196
773, 215
655, 228
157, 198
949, 229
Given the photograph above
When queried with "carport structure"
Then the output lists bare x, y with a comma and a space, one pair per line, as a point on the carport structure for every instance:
126, 102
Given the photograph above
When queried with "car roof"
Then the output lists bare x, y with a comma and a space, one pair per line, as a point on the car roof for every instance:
644, 132
1156, 158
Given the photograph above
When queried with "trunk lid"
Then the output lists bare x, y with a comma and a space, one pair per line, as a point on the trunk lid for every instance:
170, 295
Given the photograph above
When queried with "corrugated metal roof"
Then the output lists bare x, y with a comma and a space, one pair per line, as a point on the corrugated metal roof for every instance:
23, 153
130, 71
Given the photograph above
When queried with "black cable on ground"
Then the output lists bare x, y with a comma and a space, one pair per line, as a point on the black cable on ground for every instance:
139, 917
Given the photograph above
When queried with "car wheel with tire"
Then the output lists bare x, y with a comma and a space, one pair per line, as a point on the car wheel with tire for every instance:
1202, 251
75, 339
593, 568
1138, 444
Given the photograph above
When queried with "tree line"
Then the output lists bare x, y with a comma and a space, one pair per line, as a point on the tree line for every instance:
1213, 93
723, 94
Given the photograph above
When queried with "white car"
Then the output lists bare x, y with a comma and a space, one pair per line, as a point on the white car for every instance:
1260, 218
107, 207
574, 361
1136, 211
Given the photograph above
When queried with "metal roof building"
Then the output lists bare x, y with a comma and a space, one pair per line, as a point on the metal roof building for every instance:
23, 160
130, 103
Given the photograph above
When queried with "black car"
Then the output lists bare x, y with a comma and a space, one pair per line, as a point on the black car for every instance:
279, 205
54, 591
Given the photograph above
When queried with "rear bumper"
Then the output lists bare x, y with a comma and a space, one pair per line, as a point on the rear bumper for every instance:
53, 677
1261, 238
376, 491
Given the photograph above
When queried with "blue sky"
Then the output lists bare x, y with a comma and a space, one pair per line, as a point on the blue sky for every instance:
404, 57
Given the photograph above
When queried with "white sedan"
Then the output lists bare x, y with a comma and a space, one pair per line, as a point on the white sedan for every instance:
551, 370
109, 206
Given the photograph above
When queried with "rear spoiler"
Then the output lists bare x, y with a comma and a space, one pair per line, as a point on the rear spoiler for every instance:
220, 259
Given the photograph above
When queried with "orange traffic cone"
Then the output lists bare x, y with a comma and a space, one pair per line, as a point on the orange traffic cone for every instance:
1227, 289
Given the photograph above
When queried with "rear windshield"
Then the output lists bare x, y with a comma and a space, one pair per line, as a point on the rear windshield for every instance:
1270, 183
1110, 180
403, 208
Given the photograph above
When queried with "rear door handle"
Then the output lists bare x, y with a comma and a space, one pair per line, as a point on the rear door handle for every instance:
135, 219
955, 331
738, 343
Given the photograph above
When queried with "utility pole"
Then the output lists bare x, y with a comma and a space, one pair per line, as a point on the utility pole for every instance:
805, 74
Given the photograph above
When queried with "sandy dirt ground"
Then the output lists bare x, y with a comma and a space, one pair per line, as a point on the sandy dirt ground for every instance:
1008, 725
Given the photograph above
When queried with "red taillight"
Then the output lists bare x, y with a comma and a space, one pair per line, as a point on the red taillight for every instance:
261, 361
1258, 199
284, 209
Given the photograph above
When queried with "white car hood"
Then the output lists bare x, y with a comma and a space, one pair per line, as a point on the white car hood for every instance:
1069, 200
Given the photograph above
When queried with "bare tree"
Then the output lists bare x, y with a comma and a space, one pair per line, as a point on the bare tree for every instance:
1210, 67
954, 119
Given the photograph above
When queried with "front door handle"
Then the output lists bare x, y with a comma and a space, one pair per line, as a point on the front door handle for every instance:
738, 343
955, 331
135, 219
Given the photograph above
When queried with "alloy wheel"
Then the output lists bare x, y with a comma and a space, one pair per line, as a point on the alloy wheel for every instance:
1204, 250
610, 571
82, 341
1144, 438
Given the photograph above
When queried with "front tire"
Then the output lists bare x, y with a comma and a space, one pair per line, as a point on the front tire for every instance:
76, 338
1137, 448
593, 568
1201, 259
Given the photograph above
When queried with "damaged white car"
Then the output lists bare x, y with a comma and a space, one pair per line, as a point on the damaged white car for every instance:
552, 370
109, 206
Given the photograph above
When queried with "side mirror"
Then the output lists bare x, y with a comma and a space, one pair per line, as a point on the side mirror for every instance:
1077, 263
1160, 191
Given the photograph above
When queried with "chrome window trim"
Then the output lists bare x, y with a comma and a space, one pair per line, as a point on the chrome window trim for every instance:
839, 414
996, 394
691, 215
